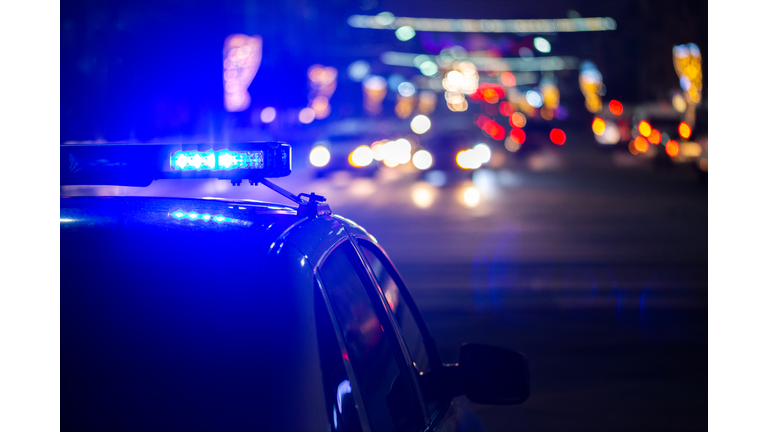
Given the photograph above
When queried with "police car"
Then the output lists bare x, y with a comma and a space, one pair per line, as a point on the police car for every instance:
207, 314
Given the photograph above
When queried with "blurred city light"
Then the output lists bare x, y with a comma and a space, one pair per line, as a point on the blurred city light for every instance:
307, 115
358, 70
673, 149
483, 152
427, 102
684, 130
319, 156
469, 159
322, 82
598, 126
542, 44
557, 136
423, 194
611, 134
471, 196
511, 144
654, 137
517, 135
641, 144
534, 98
678, 103
436, 178
518, 119
405, 33
644, 128
591, 84
374, 90
422, 160
361, 157
687, 60
242, 57
483, 26
489, 64
268, 115
615, 107
420, 124
690, 149
406, 89
508, 79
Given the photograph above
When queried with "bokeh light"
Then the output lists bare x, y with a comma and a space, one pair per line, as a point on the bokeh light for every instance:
508, 79
423, 194
242, 57
673, 149
654, 137
420, 124
518, 120
405, 33
517, 135
542, 45
471, 196
361, 157
268, 115
307, 115
644, 128
641, 144
557, 136
684, 130
422, 160
615, 107
483, 152
598, 126
319, 156
358, 70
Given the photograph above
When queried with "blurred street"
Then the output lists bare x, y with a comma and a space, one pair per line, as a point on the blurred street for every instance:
595, 269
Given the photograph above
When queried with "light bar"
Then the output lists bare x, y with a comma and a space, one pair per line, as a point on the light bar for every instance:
483, 26
140, 164
219, 160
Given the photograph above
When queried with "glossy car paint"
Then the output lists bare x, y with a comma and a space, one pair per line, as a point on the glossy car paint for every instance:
163, 312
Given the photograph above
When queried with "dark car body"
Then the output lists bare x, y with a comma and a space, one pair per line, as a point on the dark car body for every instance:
202, 314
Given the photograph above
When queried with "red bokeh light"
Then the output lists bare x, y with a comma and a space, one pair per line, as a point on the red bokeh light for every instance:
495, 130
506, 109
615, 107
489, 92
557, 136
517, 135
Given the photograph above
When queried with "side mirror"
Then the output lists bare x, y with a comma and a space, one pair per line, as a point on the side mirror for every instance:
492, 375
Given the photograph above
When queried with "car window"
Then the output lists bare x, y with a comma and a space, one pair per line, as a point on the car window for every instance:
403, 311
370, 346
340, 403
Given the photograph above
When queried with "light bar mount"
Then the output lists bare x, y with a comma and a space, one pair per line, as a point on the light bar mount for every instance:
313, 205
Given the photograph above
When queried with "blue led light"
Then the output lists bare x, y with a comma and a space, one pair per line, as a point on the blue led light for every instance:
217, 160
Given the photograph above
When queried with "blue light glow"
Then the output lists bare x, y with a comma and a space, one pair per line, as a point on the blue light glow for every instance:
216, 160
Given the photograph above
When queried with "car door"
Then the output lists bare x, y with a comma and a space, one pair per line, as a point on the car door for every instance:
381, 376
443, 414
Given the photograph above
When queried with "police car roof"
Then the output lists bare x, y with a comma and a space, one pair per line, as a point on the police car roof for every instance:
159, 229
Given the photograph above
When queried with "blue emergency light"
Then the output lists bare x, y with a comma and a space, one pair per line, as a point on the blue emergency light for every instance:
140, 164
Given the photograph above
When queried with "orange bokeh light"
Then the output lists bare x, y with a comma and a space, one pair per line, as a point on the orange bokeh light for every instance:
508, 79
598, 126
672, 148
615, 107
641, 144
685, 130
644, 128
654, 137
